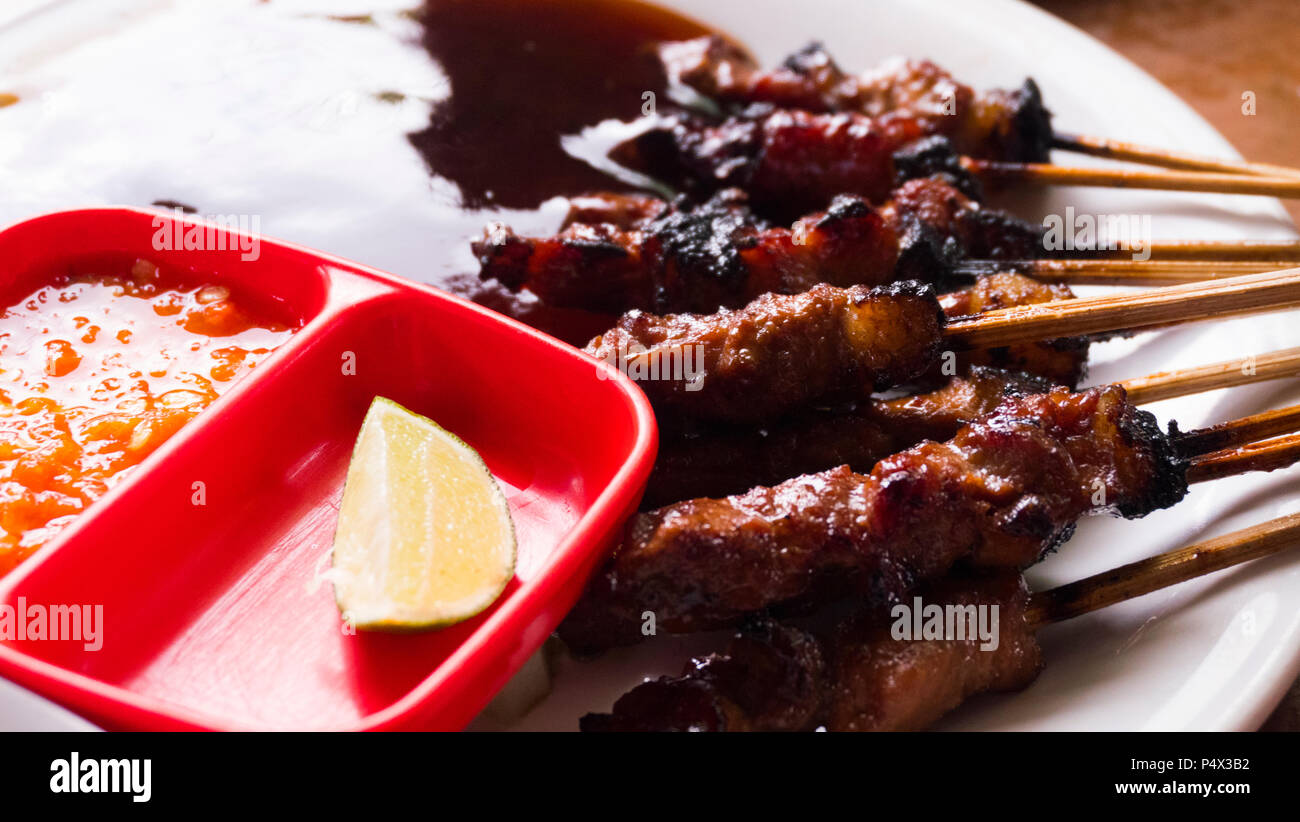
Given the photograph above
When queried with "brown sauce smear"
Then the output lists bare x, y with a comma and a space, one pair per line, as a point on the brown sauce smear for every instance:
526, 73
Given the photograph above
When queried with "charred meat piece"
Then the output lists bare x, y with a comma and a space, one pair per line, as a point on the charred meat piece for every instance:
960, 224
1003, 125
715, 461
785, 352
778, 353
1062, 361
1002, 492
857, 677
770, 679
878, 683
618, 252
792, 161
717, 254
789, 161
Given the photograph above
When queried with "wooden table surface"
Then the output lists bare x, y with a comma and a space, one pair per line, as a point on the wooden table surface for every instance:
1210, 53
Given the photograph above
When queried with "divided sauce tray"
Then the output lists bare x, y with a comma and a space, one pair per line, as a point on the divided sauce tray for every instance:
215, 615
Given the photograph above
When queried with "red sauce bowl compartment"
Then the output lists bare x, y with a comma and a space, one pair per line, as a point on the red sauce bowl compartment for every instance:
106, 353
280, 283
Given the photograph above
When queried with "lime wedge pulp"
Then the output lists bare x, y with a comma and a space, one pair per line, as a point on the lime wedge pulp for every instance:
424, 536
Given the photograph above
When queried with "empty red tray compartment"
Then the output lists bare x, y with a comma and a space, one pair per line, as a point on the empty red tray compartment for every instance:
214, 615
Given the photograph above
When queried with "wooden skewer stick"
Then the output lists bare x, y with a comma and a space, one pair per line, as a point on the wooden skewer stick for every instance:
1250, 293
1227, 374
1241, 250
1118, 150
1144, 576
1269, 455
1048, 174
1239, 432
1225, 315
1122, 272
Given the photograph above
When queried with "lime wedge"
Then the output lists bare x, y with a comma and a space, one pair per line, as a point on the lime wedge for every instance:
424, 536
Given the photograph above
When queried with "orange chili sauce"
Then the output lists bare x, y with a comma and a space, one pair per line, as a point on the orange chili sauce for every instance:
96, 372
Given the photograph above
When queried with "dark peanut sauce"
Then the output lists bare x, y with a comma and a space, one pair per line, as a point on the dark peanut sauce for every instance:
526, 77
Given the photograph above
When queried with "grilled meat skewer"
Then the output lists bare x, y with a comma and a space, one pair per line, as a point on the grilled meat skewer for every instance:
620, 252
793, 162
775, 677
783, 352
780, 352
714, 461
997, 124
858, 675
1003, 491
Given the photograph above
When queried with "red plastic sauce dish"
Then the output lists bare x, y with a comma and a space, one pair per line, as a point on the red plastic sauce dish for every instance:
205, 560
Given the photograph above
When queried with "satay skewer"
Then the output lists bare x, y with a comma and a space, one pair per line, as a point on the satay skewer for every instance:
616, 252
809, 80
860, 677
716, 462
1042, 461
1268, 455
791, 161
1239, 432
783, 352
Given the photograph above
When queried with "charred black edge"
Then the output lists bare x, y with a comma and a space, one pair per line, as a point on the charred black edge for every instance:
689, 239
797, 61
502, 255
658, 154
935, 157
1064, 535
1002, 357
1030, 140
924, 253
906, 288
845, 207
1015, 383
1168, 481
677, 687
999, 235
922, 291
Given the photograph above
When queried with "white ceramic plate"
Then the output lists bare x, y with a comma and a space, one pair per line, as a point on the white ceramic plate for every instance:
128, 102
22, 710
